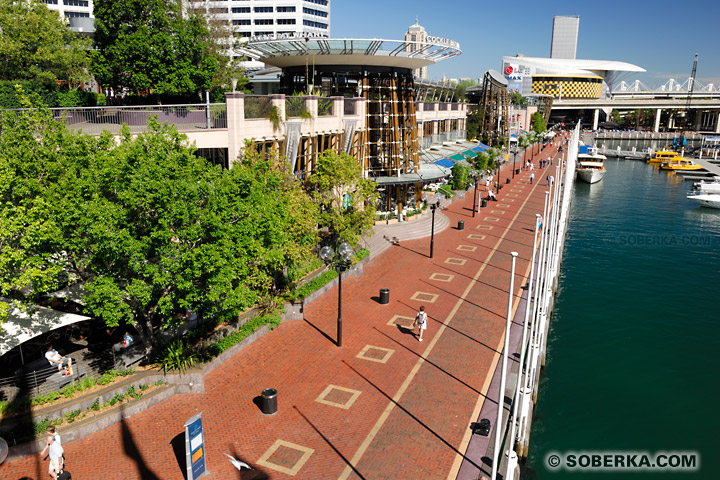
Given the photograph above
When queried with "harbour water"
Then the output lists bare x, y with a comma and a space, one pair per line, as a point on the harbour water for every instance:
634, 342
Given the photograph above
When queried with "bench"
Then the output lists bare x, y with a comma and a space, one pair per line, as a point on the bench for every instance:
127, 356
41, 376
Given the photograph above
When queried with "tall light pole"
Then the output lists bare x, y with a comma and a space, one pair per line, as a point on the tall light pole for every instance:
433, 207
339, 260
475, 194
503, 373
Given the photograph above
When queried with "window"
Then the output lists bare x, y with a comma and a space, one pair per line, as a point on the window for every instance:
264, 21
260, 34
51, 2
241, 22
309, 23
241, 10
75, 3
319, 2
317, 13
263, 9
285, 9
77, 15
286, 21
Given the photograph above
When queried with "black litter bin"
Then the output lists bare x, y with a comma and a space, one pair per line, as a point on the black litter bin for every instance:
269, 401
507, 180
484, 203
517, 171
461, 225
384, 296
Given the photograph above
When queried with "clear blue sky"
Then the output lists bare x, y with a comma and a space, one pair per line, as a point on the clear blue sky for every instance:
660, 36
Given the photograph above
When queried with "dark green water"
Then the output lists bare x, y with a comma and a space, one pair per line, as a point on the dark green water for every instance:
634, 342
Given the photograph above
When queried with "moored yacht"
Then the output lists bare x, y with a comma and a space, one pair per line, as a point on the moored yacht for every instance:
590, 166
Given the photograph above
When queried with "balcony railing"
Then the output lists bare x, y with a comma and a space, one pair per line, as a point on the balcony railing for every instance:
257, 106
93, 120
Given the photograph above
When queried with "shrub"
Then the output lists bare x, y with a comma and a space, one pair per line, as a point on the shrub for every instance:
244, 331
42, 426
445, 190
318, 282
47, 398
71, 416
69, 390
177, 356
362, 253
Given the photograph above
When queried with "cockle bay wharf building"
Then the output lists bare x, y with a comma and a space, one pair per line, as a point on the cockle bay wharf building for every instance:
381, 116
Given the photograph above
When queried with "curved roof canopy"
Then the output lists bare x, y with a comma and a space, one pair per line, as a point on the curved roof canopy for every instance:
293, 52
574, 66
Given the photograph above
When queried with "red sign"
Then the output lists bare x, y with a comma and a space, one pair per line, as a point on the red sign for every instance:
508, 70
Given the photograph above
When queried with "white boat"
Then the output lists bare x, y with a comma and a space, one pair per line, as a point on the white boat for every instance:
590, 167
711, 187
711, 200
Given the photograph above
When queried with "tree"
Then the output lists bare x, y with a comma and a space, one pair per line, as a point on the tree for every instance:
149, 46
474, 121
538, 123
36, 44
346, 200
518, 100
150, 228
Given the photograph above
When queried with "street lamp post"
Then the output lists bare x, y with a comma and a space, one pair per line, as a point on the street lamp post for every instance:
475, 194
433, 207
339, 260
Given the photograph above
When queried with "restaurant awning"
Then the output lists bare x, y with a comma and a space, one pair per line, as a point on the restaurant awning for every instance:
25, 324
445, 162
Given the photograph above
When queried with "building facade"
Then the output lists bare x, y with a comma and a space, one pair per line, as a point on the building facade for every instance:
417, 33
565, 37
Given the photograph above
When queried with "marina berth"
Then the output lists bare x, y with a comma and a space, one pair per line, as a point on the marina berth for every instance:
590, 165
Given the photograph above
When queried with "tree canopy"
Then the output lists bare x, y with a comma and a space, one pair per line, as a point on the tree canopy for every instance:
148, 227
346, 200
36, 44
538, 123
150, 46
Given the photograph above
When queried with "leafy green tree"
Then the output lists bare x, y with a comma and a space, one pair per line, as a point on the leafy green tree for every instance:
36, 44
517, 99
150, 228
474, 121
461, 175
150, 46
346, 200
538, 123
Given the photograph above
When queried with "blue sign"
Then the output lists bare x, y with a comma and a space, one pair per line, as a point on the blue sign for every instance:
194, 447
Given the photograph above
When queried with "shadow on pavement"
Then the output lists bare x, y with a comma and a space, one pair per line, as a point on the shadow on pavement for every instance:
131, 450
419, 422
329, 443
178, 446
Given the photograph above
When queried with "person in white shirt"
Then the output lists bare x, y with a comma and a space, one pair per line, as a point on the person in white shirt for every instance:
56, 359
420, 322
55, 451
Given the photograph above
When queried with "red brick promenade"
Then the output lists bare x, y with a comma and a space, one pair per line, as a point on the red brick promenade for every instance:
383, 406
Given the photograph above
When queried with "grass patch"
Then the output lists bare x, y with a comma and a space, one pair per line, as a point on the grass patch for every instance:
272, 320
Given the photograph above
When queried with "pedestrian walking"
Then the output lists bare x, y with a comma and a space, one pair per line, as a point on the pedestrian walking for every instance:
532, 177
547, 181
420, 322
55, 451
532, 167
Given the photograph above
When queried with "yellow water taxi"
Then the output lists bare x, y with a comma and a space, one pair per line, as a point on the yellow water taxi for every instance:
663, 156
680, 165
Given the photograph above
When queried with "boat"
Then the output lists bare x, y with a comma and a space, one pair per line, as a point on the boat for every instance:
590, 167
710, 187
663, 156
680, 165
711, 200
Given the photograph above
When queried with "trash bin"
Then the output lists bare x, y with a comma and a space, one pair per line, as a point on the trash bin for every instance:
461, 225
484, 203
507, 180
269, 401
517, 171
384, 296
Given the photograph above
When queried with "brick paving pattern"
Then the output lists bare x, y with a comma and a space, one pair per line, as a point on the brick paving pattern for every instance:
382, 406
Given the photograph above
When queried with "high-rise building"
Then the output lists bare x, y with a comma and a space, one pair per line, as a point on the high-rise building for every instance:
417, 33
246, 18
564, 37
79, 13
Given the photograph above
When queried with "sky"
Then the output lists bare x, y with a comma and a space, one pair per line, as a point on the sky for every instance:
661, 36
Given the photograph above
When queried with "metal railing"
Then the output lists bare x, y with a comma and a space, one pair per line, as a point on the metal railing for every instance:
95, 120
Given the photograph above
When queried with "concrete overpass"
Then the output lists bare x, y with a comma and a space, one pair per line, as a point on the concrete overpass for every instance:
708, 102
